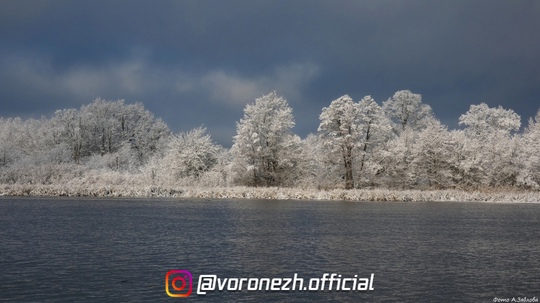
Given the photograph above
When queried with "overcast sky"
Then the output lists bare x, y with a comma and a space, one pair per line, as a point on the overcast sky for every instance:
199, 62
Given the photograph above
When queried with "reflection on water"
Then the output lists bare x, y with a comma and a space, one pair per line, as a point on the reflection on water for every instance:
120, 250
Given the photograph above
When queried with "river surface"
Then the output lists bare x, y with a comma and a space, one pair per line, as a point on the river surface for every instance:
120, 250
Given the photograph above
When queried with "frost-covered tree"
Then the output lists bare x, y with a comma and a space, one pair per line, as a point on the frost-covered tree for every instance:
529, 155
190, 154
394, 160
482, 120
433, 156
467, 161
351, 132
406, 109
375, 129
488, 162
10, 141
265, 150
502, 160
40, 147
340, 130
316, 168
73, 132
103, 123
492, 149
113, 123
105, 127
28, 151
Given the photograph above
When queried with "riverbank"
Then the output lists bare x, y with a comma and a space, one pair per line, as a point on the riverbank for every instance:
272, 193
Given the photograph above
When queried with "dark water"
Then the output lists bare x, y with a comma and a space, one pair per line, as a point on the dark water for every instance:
75, 250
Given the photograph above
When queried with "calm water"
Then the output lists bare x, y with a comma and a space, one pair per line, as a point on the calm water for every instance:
115, 250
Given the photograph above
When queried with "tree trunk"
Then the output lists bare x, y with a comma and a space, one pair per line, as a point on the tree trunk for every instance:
368, 135
349, 182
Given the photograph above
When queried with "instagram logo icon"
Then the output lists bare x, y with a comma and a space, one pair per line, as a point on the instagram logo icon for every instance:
179, 282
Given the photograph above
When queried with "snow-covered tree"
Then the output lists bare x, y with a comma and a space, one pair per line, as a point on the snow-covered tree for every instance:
467, 161
351, 132
491, 147
104, 127
340, 130
529, 154
28, 152
487, 162
102, 119
265, 150
10, 151
394, 160
406, 109
113, 123
432, 156
73, 132
502, 160
375, 129
316, 168
190, 154
482, 120
219, 174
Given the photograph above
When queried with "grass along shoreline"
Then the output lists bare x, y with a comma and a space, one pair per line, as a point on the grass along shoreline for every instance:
272, 193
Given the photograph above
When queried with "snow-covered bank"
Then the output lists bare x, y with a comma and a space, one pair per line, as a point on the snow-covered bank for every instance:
271, 193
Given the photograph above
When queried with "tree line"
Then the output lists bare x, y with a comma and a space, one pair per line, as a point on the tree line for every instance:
396, 144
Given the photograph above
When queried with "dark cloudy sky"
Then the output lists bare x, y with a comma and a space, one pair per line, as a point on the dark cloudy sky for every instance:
199, 62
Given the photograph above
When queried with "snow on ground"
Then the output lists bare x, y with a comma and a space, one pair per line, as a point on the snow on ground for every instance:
271, 193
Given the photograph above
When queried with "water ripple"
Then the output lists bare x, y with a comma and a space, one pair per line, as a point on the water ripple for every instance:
99, 250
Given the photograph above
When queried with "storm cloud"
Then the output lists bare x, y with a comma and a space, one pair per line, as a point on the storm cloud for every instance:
199, 62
